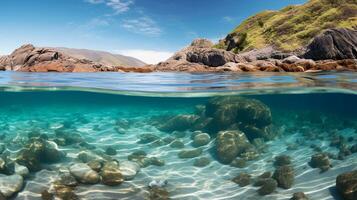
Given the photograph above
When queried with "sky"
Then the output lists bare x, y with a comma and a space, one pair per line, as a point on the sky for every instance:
150, 30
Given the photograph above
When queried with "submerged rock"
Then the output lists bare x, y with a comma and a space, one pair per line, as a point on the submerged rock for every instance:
190, 153
249, 115
177, 144
346, 185
229, 144
299, 196
158, 193
84, 174
65, 192
239, 163
202, 162
96, 165
321, 161
243, 179
111, 151
201, 139
111, 174
268, 186
10, 185
21, 170
148, 138
285, 177
282, 160
179, 123
39, 151
129, 169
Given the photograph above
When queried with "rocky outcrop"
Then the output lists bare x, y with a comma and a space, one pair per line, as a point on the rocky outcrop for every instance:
333, 44
28, 58
201, 56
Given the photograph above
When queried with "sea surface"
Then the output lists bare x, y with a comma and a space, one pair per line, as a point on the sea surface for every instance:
114, 115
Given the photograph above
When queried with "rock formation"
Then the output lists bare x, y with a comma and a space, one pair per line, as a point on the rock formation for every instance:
333, 44
28, 58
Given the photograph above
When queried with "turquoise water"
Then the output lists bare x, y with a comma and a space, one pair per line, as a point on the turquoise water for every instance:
98, 118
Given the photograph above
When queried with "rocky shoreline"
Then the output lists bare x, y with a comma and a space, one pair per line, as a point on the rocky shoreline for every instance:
334, 50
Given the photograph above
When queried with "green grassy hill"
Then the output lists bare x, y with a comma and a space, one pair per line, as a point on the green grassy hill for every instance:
294, 26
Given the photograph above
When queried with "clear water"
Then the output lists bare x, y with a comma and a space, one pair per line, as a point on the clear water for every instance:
115, 110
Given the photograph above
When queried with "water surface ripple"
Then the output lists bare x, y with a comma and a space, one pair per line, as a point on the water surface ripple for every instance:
196, 84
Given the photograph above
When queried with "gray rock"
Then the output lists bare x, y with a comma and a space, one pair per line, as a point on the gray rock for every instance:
21, 170
190, 153
129, 169
201, 139
10, 185
84, 174
333, 44
291, 59
229, 144
202, 43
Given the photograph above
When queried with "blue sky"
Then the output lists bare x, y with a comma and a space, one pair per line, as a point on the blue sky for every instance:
148, 29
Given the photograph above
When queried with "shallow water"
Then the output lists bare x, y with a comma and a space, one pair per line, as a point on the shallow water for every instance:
114, 110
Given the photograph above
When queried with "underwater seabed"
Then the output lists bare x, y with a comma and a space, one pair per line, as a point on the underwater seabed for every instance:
77, 146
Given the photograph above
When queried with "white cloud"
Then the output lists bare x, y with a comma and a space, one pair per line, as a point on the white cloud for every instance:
228, 19
142, 25
119, 6
94, 1
95, 22
148, 56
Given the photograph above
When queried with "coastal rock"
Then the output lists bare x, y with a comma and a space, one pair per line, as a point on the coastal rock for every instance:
291, 59
10, 185
243, 179
192, 153
210, 56
202, 43
346, 185
284, 176
321, 161
268, 186
129, 169
229, 144
333, 44
111, 174
201, 139
84, 174
31, 59
299, 196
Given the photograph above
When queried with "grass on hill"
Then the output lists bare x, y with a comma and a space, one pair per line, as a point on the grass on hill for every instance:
294, 26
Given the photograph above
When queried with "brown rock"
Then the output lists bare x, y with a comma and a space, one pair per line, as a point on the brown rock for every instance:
346, 185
